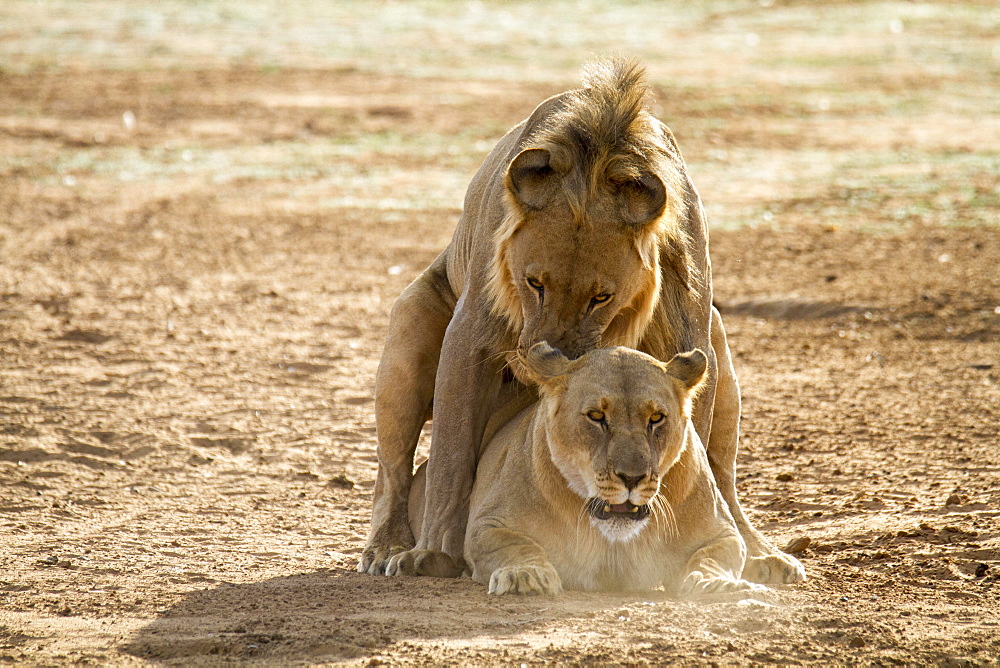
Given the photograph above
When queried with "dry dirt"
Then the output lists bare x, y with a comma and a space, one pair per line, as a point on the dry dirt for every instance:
196, 268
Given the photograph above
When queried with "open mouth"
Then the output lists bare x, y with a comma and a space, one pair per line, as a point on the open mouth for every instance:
602, 510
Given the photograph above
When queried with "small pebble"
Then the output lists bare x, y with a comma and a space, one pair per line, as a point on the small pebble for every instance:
857, 641
797, 545
341, 481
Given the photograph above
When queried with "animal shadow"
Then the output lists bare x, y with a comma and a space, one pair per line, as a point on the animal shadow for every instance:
330, 615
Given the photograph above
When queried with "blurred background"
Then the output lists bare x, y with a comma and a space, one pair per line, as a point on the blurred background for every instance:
868, 113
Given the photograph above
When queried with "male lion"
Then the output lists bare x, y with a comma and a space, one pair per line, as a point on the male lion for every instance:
582, 229
602, 484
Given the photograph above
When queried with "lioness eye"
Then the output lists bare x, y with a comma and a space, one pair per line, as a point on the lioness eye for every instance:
596, 416
600, 299
535, 283
655, 418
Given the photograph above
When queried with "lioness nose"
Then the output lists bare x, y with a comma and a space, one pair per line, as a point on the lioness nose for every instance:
630, 480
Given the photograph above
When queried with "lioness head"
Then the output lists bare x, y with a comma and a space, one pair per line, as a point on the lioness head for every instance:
615, 424
592, 200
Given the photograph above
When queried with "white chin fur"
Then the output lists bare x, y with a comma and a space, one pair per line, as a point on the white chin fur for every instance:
619, 530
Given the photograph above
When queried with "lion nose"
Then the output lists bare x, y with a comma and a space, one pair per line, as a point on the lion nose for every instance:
630, 481
569, 351
571, 345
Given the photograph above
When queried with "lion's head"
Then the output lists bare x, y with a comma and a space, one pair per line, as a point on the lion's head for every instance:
593, 199
615, 424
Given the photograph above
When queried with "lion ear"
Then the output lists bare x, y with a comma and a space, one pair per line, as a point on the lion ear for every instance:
689, 368
531, 179
546, 365
643, 199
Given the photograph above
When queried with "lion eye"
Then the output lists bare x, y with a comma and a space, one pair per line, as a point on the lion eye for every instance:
535, 283
655, 418
600, 299
596, 416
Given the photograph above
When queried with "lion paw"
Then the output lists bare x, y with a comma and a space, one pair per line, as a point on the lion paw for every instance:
530, 580
375, 559
778, 568
433, 563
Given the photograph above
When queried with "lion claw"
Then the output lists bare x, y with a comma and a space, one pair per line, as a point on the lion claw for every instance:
375, 560
432, 563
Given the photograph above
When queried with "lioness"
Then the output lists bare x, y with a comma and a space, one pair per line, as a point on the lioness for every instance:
602, 484
581, 228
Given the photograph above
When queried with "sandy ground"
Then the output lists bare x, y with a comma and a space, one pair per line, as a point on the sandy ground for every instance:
196, 268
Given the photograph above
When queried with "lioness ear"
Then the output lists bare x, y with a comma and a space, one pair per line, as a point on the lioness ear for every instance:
545, 362
689, 368
531, 178
642, 199
546, 365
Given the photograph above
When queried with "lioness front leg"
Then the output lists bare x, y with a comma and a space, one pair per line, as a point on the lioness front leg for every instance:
765, 562
512, 562
714, 570
404, 391
466, 391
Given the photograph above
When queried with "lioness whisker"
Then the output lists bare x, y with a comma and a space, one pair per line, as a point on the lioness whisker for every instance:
579, 518
654, 505
674, 531
661, 507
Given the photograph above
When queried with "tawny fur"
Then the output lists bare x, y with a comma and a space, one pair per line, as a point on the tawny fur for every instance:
582, 229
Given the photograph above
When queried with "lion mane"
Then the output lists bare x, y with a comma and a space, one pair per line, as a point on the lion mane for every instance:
603, 132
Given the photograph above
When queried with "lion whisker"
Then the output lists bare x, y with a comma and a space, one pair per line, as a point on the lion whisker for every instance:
500, 354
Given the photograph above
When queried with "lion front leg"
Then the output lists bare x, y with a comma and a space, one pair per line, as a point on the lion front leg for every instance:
404, 391
765, 562
466, 391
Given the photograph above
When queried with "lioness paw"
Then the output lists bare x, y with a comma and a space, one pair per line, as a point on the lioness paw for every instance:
697, 586
433, 563
530, 580
778, 568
